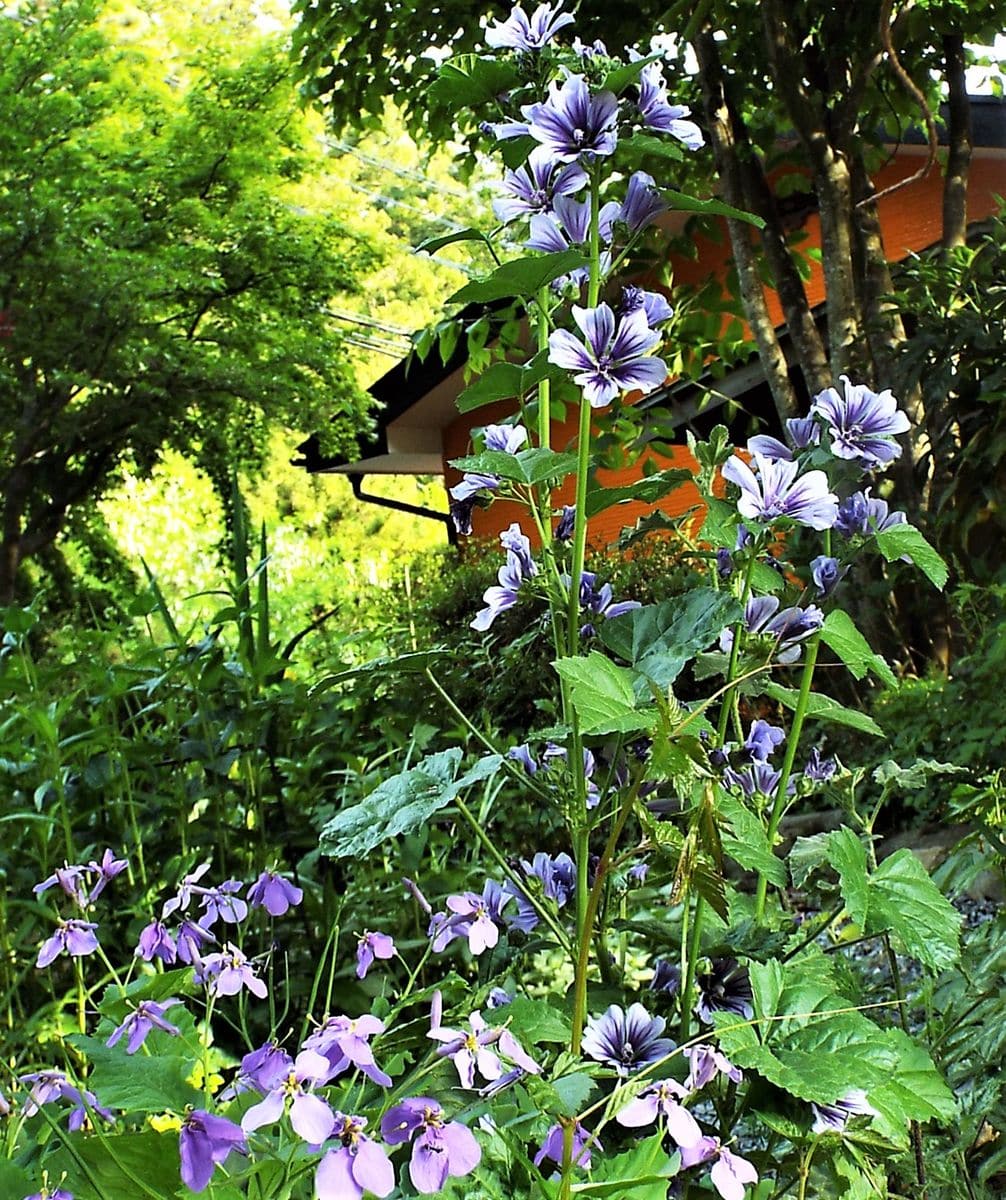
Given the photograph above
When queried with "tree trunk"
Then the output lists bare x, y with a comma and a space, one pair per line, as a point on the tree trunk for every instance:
955, 182
725, 152
832, 181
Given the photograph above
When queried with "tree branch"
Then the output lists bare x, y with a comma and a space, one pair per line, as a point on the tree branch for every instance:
721, 135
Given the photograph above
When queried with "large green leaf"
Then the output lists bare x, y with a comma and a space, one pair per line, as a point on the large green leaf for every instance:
823, 708
402, 804
141, 1166
840, 633
820, 1050
603, 695
522, 277
469, 81
645, 491
714, 208
905, 900
504, 380
905, 540
138, 1083
847, 855
530, 467
744, 840
641, 1172
431, 245
659, 639
14, 1180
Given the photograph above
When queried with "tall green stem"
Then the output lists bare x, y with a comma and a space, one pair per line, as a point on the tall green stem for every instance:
586, 900
779, 800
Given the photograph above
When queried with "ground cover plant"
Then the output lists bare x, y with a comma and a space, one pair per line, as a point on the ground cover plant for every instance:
635, 994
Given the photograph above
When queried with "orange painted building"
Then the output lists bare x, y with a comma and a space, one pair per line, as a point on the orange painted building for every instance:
420, 429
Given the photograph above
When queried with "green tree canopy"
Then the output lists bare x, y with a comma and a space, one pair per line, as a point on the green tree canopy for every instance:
165, 273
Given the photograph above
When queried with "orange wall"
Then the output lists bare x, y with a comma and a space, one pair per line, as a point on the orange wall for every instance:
911, 219
607, 525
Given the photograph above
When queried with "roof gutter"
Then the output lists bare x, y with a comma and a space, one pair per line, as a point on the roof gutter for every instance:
414, 510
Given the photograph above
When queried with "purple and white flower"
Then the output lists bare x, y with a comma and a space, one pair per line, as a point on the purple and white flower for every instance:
440, 1148
818, 768
827, 574
626, 1040
507, 439
521, 32
534, 187
572, 122
775, 489
643, 203
658, 114
787, 628
725, 986
833, 1118
654, 304
763, 740
518, 567
863, 424
614, 357
866, 514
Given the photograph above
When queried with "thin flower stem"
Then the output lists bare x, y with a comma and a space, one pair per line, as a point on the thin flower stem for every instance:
511, 874
688, 982
735, 650
545, 385
593, 900
805, 1170
508, 763
779, 801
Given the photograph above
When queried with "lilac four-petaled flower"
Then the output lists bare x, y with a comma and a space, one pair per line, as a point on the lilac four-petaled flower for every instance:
310, 1115
205, 1140
614, 357
662, 1102
274, 893
359, 1165
371, 946
345, 1042
148, 1015
440, 1148
74, 937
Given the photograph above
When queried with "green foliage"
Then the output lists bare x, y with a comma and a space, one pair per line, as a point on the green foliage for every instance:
164, 286
658, 640
958, 310
402, 804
